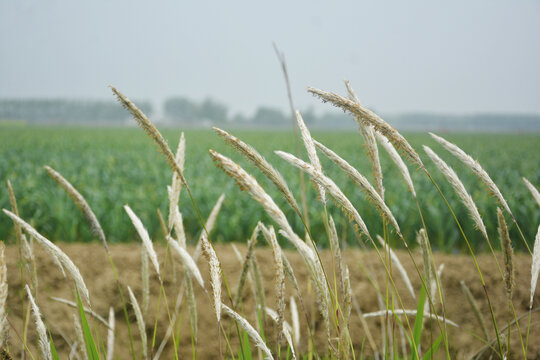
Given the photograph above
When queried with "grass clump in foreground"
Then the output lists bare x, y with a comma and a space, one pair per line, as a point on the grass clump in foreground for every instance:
420, 332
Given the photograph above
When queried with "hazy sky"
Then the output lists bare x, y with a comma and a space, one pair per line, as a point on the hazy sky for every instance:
453, 56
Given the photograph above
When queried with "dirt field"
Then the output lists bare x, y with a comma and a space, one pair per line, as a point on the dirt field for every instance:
96, 270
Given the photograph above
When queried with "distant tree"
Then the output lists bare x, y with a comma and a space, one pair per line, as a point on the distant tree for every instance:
213, 111
180, 108
269, 116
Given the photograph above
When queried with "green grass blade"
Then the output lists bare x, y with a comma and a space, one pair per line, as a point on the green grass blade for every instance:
91, 347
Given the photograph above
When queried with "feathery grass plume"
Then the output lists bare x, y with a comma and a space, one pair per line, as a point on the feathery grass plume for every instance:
397, 312
398, 265
535, 267
175, 218
329, 184
370, 118
244, 274
4, 326
215, 273
43, 339
13, 202
310, 149
364, 184
459, 188
394, 155
80, 336
295, 321
347, 298
334, 242
209, 225
279, 277
262, 164
475, 307
143, 234
152, 131
260, 298
55, 252
81, 203
429, 271
286, 329
110, 335
508, 253
475, 167
140, 322
370, 143
252, 333
87, 310
145, 280
176, 184
248, 183
533, 190
187, 260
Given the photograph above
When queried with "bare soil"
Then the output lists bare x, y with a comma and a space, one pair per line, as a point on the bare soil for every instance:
97, 272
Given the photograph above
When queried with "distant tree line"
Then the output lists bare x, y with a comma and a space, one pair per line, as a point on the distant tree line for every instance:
63, 111
183, 111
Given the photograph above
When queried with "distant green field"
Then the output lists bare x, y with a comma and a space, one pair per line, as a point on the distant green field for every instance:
116, 166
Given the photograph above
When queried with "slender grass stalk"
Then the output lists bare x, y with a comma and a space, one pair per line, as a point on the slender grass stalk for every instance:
43, 339
533, 190
110, 335
140, 323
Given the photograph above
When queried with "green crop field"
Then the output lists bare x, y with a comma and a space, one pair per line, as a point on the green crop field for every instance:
116, 166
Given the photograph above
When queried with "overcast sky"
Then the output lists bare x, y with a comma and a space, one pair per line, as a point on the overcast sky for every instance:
453, 56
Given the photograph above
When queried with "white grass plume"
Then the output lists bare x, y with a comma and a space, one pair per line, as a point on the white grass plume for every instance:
176, 183
140, 322
370, 118
459, 188
80, 336
370, 143
145, 280
397, 312
401, 270
286, 329
394, 155
252, 333
215, 274
533, 190
54, 251
143, 234
248, 183
81, 203
310, 149
208, 225
187, 260
330, 186
535, 267
262, 164
475, 167
508, 254
43, 339
295, 321
359, 179
110, 335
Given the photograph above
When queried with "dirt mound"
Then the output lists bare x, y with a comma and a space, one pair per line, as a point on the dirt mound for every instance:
97, 272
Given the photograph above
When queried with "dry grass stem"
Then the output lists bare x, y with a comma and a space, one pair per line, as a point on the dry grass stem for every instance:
192, 306
4, 326
330, 186
110, 335
262, 164
244, 274
286, 331
145, 280
140, 322
397, 312
359, 179
370, 118
87, 310
295, 321
535, 267
394, 156
215, 273
81, 203
176, 183
55, 252
460, 190
475, 307
336, 249
508, 253
310, 149
252, 333
533, 190
370, 144
397, 263
152, 131
209, 225
145, 238
187, 260
475, 167
43, 339
248, 183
